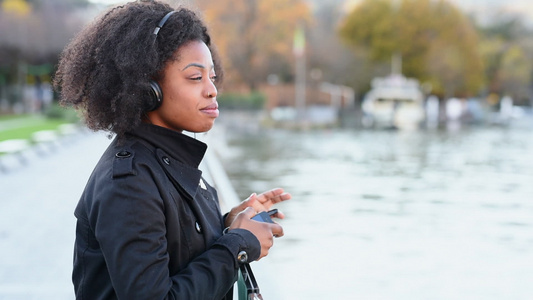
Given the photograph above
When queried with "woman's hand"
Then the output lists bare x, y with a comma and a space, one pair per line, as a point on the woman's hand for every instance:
264, 232
261, 202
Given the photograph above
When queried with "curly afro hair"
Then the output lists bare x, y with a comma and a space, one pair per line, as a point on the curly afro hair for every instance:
105, 71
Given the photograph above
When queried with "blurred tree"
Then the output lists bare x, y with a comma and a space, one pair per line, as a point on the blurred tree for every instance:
254, 37
332, 61
33, 33
436, 41
18, 7
42, 31
507, 48
516, 70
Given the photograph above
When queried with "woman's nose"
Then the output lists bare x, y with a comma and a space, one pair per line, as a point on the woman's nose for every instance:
211, 90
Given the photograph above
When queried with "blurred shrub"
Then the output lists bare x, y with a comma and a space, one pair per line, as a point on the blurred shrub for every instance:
251, 101
54, 111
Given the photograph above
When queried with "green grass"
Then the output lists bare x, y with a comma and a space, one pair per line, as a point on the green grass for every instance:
23, 126
26, 131
11, 117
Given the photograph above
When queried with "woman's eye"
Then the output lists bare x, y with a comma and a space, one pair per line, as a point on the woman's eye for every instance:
199, 78
214, 78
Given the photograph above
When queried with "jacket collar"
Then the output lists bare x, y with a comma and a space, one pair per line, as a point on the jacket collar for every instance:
178, 154
180, 147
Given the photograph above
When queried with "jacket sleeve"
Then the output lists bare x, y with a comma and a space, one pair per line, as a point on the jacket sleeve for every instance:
128, 218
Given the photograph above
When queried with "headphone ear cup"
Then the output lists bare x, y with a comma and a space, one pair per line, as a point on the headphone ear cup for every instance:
156, 96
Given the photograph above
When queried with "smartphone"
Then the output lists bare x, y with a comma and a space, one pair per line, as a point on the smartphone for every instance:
265, 216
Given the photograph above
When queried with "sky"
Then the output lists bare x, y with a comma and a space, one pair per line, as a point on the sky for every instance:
488, 7
510, 5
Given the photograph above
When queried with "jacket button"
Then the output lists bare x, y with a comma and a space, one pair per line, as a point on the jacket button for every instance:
198, 227
166, 160
242, 257
123, 154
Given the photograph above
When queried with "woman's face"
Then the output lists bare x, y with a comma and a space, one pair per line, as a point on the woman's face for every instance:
189, 93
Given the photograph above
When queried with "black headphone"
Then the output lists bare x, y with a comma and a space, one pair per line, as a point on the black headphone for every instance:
156, 94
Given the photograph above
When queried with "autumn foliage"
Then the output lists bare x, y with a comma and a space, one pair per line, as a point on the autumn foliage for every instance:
255, 37
437, 43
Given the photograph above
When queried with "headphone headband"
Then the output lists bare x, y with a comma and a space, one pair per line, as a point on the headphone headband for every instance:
162, 22
156, 94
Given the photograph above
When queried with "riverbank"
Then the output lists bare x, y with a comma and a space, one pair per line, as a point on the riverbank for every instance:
398, 215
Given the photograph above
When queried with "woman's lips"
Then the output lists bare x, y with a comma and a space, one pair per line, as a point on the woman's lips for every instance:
211, 110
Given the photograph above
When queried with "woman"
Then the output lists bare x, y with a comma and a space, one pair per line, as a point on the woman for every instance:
148, 225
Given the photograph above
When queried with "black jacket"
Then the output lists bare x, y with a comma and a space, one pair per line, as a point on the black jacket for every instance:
149, 227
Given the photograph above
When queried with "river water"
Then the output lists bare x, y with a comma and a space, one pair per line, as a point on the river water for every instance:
395, 215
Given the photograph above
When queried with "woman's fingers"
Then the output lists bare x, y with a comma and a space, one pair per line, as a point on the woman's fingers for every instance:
274, 196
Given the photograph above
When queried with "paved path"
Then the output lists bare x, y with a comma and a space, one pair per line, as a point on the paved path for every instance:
37, 224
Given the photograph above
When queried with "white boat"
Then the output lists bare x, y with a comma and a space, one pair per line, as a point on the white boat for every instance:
393, 102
